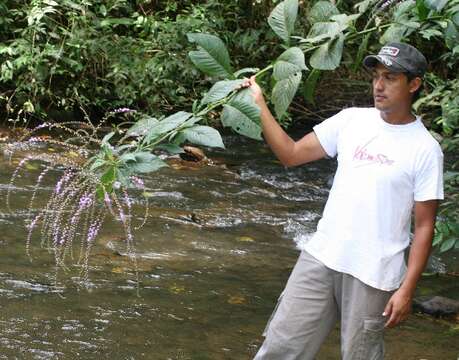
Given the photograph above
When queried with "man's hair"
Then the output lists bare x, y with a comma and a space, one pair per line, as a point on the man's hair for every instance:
417, 93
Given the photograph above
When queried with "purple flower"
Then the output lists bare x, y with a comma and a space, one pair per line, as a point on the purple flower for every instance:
85, 202
66, 177
138, 182
123, 110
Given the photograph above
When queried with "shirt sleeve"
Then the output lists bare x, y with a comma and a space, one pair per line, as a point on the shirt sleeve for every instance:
328, 131
428, 183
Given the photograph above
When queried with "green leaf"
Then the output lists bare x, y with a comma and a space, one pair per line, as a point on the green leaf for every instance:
451, 35
310, 86
168, 124
220, 90
363, 5
142, 126
212, 56
438, 238
322, 11
108, 178
248, 70
146, 162
455, 18
283, 93
447, 244
116, 21
402, 9
282, 19
429, 33
423, 10
361, 52
323, 30
98, 162
344, 20
436, 5
128, 157
107, 137
204, 135
243, 115
100, 192
394, 33
171, 148
328, 55
288, 63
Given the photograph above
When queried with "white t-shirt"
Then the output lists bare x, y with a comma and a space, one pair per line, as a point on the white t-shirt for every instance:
382, 170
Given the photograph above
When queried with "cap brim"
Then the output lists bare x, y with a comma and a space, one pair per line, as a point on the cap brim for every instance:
371, 61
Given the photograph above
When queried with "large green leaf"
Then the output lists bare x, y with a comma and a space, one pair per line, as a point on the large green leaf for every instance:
282, 19
328, 55
204, 135
323, 30
322, 11
220, 90
283, 93
142, 126
436, 5
167, 124
455, 18
447, 244
243, 115
146, 162
344, 20
288, 63
451, 35
394, 33
212, 56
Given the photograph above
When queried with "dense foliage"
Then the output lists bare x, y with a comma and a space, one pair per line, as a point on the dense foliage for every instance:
60, 55
101, 55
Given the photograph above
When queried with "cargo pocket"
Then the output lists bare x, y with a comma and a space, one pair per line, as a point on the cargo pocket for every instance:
265, 331
372, 341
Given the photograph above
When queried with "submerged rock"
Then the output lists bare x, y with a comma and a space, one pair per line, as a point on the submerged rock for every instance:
436, 305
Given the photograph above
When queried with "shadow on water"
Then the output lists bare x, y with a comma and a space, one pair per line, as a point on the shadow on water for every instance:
213, 256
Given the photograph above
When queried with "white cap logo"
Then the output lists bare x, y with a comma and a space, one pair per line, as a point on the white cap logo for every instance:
389, 50
386, 61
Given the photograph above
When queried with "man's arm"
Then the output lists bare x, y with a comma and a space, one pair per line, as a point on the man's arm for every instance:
399, 305
289, 152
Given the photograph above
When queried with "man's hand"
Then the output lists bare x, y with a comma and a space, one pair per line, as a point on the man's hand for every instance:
398, 307
257, 92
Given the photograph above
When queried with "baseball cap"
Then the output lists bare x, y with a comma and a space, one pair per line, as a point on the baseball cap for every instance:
399, 57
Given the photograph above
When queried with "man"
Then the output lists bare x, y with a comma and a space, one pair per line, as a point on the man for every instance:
353, 267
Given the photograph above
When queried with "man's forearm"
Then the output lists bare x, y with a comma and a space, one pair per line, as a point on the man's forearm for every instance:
278, 140
419, 254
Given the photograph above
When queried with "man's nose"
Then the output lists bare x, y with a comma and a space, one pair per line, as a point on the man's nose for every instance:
378, 83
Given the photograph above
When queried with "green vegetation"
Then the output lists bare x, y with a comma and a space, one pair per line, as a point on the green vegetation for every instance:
99, 55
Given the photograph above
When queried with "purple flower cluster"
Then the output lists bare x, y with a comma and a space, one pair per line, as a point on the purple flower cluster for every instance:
123, 110
138, 182
93, 230
387, 3
62, 181
85, 202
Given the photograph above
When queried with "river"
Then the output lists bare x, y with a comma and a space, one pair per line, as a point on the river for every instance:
213, 256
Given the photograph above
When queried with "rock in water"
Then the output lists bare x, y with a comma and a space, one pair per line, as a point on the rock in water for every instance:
436, 306
193, 154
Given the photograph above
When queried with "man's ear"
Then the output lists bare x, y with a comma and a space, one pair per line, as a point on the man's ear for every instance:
415, 84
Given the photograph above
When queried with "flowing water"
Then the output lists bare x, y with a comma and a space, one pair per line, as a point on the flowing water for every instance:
216, 251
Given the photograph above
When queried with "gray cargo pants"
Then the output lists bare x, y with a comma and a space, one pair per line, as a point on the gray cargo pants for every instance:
308, 308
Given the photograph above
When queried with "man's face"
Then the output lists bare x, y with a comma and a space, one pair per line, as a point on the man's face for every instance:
392, 91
